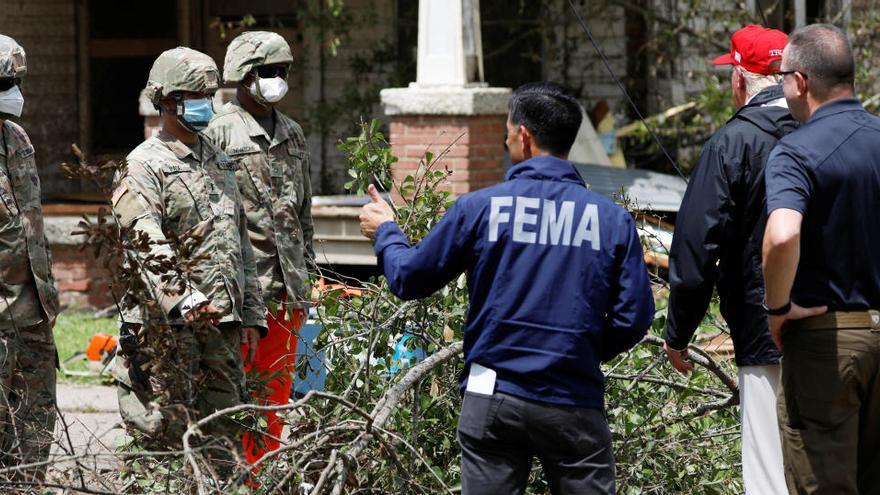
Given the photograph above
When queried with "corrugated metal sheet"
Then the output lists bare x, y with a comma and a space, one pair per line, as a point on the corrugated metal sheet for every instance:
646, 189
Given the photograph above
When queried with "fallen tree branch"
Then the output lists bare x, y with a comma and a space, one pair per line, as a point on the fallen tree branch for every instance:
388, 403
703, 359
699, 411
39, 485
325, 473
668, 383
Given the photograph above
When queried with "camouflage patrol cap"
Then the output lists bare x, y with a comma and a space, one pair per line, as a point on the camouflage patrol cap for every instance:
182, 69
12, 61
253, 49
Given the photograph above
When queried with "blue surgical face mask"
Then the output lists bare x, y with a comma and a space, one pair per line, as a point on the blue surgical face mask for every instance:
197, 114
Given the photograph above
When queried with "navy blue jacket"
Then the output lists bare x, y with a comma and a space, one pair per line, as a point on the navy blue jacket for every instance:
720, 230
556, 277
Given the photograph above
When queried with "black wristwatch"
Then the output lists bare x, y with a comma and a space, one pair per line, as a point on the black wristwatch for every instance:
784, 309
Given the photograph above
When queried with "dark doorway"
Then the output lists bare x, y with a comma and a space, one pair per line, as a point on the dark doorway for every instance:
783, 15
512, 43
123, 42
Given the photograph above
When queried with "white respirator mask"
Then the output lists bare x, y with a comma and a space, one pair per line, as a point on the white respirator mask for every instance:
270, 90
11, 101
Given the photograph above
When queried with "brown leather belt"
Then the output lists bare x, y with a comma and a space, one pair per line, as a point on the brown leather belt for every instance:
838, 320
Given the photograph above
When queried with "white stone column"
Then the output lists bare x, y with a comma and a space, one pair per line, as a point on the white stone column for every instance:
450, 98
450, 49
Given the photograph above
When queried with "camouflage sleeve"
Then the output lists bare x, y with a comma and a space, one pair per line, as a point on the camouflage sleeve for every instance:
305, 213
215, 134
137, 203
54, 302
253, 311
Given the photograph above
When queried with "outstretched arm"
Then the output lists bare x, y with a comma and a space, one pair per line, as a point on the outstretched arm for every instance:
416, 271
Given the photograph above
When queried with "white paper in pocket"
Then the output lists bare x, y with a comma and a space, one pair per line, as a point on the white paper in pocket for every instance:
481, 380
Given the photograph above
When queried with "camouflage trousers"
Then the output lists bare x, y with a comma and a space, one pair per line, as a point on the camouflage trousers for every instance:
27, 405
197, 371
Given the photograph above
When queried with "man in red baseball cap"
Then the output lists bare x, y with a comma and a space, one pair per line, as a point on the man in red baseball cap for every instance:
755, 51
717, 242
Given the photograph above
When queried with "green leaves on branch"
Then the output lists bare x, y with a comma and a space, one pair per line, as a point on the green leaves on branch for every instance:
369, 159
424, 191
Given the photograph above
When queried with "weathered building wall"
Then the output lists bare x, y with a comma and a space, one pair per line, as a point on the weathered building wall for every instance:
374, 25
573, 61
47, 31
82, 281
663, 75
660, 69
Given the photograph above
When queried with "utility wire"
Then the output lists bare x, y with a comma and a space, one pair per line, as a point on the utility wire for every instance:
761, 10
623, 89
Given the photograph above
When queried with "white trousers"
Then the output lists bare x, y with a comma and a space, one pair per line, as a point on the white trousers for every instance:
763, 473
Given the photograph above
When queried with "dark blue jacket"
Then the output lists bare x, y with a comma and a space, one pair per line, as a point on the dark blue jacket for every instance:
720, 230
556, 278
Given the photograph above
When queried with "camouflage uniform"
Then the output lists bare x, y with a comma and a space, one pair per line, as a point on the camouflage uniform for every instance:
28, 298
273, 177
272, 174
165, 189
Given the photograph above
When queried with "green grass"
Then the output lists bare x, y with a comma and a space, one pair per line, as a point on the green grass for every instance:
73, 331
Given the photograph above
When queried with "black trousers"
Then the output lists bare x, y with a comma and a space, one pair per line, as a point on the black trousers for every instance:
500, 434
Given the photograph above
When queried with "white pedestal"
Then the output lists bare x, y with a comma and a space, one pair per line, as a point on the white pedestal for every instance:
445, 100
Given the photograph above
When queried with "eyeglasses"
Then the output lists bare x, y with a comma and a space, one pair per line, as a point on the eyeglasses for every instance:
784, 73
270, 71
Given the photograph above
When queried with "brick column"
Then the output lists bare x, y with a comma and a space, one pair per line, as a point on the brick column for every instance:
82, 280
476, 159
431, 120
80, 276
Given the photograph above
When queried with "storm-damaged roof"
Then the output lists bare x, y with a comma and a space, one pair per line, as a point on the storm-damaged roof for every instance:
646, 189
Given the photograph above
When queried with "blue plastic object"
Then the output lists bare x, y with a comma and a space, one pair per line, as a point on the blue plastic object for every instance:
316, 368
404, 358
316, 372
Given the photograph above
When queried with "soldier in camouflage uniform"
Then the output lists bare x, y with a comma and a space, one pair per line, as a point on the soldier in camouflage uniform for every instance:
28, 299
273, 177
179, 184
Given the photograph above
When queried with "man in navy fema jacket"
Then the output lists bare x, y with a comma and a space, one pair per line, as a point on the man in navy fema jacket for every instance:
557, 284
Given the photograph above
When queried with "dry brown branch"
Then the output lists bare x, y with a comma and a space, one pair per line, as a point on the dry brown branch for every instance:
31, 485
325, 474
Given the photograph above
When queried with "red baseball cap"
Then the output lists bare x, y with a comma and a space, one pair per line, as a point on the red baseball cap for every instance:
756, 49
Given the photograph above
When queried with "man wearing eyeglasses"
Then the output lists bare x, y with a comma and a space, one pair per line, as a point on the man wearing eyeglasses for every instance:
717, 242
28, 298
820, 254
273, 177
